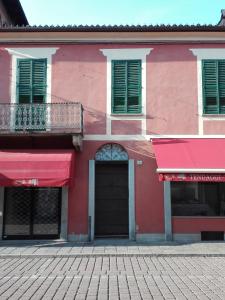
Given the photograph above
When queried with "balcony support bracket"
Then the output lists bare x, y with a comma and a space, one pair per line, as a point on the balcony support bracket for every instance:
77, 141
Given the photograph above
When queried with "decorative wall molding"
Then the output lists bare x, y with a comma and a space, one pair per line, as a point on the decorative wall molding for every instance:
125, 54
205, 53
34, 53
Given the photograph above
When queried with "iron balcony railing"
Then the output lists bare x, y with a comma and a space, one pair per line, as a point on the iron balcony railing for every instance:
48, 118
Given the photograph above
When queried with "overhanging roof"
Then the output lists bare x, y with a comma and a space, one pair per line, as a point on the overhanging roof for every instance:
117, 28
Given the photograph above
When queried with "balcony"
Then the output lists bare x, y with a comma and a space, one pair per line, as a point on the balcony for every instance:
41, 119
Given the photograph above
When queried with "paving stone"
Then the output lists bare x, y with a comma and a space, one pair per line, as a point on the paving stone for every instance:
116, 276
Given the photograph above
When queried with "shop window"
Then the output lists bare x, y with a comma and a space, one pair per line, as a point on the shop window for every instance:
126, 86
213, 79
198, 199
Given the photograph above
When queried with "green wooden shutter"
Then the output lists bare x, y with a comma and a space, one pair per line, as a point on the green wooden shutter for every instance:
126, 86
24, 81
214, 86
39, 78
221, 84
119, 86
134, 86
210, 87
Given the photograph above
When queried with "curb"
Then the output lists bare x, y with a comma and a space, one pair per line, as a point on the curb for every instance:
94, 255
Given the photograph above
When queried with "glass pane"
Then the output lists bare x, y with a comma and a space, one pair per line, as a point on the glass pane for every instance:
24, 99
211, 101
38, 99
46, 211
17, 214
222, 101
198, 199
133, 100
185, 199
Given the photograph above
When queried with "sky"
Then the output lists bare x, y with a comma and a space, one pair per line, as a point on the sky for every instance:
143, 12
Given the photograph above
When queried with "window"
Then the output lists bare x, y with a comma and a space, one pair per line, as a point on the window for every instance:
31, 80
31, 89
126, 86
213, 78
198, 199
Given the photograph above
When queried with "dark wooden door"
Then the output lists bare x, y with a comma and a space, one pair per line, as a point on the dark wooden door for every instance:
111, 200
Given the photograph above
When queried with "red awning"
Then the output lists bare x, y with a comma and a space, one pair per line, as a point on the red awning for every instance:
190, 159
40, 168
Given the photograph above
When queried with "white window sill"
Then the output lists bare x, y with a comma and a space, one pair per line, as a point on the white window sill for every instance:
213, 116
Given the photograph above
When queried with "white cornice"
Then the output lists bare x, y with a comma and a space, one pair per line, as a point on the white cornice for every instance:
190, 170
126, 53
128, 39
37, 52
209, 53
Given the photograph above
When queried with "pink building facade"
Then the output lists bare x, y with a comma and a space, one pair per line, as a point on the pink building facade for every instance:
109, 96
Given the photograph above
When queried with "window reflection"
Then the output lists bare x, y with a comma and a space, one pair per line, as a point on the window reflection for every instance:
198, 199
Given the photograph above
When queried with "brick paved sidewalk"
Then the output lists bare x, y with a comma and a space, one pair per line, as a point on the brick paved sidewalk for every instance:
112, 278
108, 247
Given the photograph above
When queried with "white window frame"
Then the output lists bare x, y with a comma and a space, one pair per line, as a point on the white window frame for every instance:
202, 54
125, 54
32, 53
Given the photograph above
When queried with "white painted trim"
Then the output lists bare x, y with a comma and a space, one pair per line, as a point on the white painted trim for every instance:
125, 54
213, 118
109, 137
127, 117
209, 53
188, 136
138, 137
108, 97
131, 188
34, 53
161, 39
167, 211
206, 53
144, 94
200, 98
91, 201
64, 214
190, 170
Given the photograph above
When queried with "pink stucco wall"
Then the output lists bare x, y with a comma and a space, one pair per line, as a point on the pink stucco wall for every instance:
148, 190
197, 224
214, 126
79, 74
171, 90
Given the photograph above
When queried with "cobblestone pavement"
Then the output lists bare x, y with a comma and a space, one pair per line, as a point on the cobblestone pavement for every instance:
112, 277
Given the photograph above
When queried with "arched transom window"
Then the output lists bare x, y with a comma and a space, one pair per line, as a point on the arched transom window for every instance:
111, 152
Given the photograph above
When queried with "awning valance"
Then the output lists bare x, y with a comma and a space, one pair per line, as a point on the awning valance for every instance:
190, 159
40, 168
